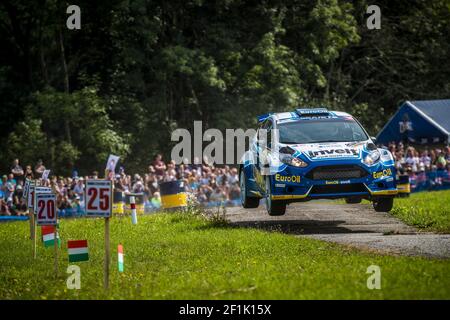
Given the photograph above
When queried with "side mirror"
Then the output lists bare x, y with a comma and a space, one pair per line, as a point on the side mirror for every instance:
374, 140
371, 146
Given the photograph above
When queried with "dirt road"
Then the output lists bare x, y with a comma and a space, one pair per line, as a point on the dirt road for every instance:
356, 225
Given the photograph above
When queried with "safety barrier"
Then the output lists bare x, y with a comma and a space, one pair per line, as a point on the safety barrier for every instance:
403, 186
118, 202
173, 195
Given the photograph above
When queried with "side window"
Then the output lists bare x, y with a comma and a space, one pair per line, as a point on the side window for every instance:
265, 139
269, 134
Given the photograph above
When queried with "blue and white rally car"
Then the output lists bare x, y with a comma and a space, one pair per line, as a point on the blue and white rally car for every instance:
315, 154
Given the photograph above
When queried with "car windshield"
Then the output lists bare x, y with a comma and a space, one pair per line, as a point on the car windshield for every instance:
321, 130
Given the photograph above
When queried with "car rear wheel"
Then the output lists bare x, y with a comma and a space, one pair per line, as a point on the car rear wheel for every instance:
274, 207
247, 202
352, 200
383, 204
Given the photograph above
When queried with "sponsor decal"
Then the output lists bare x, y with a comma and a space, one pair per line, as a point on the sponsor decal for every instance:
345, 181
279, 185
258, 177
333, 153
332, 182
281, 178
381, 174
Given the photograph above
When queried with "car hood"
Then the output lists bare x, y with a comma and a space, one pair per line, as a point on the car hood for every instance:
331, 150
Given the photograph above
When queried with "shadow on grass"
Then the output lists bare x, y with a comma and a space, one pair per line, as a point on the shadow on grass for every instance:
295, 227
300, 227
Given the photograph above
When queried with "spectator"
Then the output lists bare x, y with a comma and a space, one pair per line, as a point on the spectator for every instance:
39, 169
411, 160
19, 204
29, 173
441, 163
159, 165
218, 195
156, 200
235, 191
425, 159
76, 206
79, 188
17, 171
233, 176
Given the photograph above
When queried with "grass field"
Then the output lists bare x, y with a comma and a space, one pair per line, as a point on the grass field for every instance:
175, 256
426, 210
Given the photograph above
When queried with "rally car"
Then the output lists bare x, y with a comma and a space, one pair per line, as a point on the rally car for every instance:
315, 154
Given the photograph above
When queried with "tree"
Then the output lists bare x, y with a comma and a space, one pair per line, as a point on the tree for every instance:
93, 136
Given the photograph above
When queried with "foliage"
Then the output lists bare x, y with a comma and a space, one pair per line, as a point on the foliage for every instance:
28, 141
65, 128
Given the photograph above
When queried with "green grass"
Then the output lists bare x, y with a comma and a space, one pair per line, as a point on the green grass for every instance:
174, 256
426, 210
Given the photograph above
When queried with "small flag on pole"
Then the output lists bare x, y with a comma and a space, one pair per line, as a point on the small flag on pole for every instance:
48, 236
78, 250
120, 257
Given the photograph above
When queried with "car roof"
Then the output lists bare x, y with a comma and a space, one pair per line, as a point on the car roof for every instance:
294, 116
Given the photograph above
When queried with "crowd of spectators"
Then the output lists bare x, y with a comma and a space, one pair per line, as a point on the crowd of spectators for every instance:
209, 184
410, 160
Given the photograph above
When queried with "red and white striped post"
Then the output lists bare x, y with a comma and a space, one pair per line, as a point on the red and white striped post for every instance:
133, 210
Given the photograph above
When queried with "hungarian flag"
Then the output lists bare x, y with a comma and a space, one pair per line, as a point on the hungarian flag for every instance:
120, 257
78, 250
48, 235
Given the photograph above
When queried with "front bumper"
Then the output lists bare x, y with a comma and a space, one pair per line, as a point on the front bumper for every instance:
298, 184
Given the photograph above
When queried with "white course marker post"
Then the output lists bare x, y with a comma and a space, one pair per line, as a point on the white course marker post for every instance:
133, 209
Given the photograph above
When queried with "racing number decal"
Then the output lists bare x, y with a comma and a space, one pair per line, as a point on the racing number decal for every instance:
46, 209
98, 198
104, 198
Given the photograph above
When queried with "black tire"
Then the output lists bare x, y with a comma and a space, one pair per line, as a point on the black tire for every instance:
247, 202
274, 207
353, 200
383, 204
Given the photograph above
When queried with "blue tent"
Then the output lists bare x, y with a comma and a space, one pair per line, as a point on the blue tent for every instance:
419, 122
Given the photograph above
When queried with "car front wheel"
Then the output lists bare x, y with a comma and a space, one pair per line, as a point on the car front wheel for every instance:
247, 202
274, 207
383, 204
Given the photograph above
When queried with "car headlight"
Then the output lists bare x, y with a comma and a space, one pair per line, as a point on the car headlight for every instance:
372, 157
292, 161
